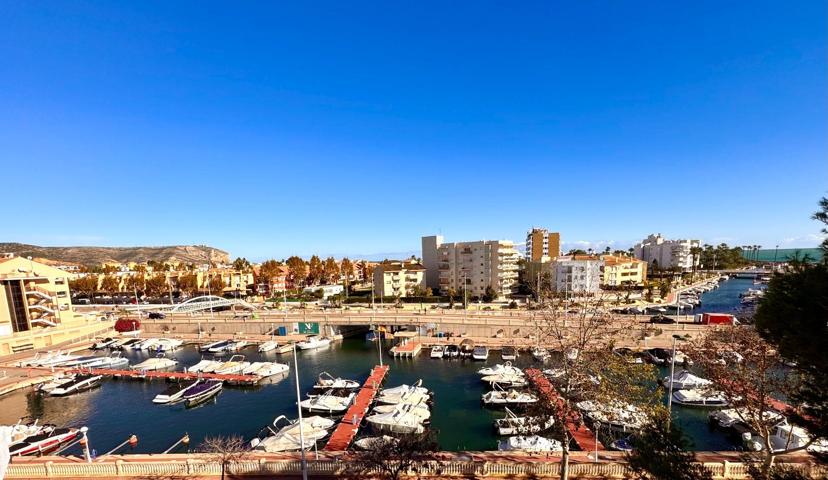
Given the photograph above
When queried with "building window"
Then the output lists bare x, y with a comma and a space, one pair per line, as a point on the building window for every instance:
17, 308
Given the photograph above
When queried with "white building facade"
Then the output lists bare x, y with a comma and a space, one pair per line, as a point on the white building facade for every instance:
666, 254
472, 266
577, 276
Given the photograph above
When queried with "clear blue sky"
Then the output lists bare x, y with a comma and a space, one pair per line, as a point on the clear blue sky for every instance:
273, 128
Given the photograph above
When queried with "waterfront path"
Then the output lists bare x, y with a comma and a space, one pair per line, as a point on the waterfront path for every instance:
349, 425
582, 435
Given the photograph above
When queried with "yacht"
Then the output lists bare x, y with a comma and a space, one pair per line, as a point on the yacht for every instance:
20, 430
699, 398
398, 421
785, 436
328, 403
50, 359
284, 435
480, 353
326, 381
499, 397
57, 380
159, 362
126, 343
313, 342
684, 380
530, 443
44, 442
437, 351
500, 368
509, 353
233, 366
730, 417
146, 344
506, 380
268, 346
80, 383
616, 415
512, 424
413, 396
174, 392
252, 367
271, 368
201, 392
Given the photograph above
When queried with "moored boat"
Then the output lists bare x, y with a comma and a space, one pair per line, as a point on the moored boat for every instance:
44, 442
500, 368
312, 342
684, 380
509, 353
529, 443
328, 403
268, 346
397, 421
327, 381
80, 383
499, 397
480, 352
174, 392
513, 424
201, 392
699, 398
160, 362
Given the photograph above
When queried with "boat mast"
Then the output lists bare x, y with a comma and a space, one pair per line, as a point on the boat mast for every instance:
299, 409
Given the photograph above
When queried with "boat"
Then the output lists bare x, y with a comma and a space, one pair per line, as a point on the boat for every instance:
451, 351
615, 415
785, 436
286, 348
204, 365
480, 353
268, 346
509, 353
699, 398
57, 380
437, 351
201, 392
271, 368
159, 362
417, 409
104, 343
500, 368
174, 392
49, 359
374, 443
540, 353
730, 417
684, 380
81, 362
228, 346
80, 383
19, 431
126, 343
500, 397
326, 381
248, 370
235, 365
312, 342
412, 396
397, 421
44, 442
328, 403
529, 443
466, 348
506, 380
145, 344
285, 434
167, 344
624, 444
515, 425
219, 345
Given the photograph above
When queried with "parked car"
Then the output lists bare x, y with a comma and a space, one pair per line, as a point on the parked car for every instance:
661, 319
156, 316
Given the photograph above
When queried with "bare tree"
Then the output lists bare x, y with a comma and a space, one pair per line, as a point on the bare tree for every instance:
225, 450
394, 458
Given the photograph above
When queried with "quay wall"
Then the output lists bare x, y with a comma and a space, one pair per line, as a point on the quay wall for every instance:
467, 464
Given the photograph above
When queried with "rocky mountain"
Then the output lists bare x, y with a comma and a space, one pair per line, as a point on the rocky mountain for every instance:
97, 255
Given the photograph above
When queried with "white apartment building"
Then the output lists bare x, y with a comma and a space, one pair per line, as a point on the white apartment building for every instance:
666, 253
471, 265
577, 274
398, 279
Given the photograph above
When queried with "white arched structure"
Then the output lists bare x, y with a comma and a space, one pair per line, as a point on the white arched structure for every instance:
206, 302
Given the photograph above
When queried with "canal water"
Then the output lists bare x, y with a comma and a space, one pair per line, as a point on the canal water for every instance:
120, 408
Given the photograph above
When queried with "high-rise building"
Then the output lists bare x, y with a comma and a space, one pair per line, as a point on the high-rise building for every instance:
578, 274
664, 254
431, 259
541, 243
472, 266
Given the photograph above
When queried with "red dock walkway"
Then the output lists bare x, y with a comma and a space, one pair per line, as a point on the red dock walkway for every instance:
582, 435
232, 378
349, 425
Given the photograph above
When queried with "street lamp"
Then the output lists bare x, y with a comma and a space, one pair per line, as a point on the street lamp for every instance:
672, 373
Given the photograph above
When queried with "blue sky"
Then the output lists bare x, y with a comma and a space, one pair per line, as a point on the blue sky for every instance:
275, 128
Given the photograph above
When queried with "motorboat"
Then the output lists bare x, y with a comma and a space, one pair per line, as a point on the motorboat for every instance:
616, 415
624, 444
398, 421
174, 392
499, 369
219, 346
437, 351
228, 346
48, 359
684, 380
112, 361
513, 424
699, 398
104, 343
451, 351
785, 436
56, 381
374, 443
629, 355
313, 342
268, 346
540, 353
658, 356
235, 365
328, 403
167, 344
529, 443
248, 370
200, 392
506, 380
271, 368
500, 397
20, 430
159, 362
204, 365
44, 442
509, 353
80, 362
146, 344
286, 348
326, 381
466, 348
80, 383
285, 434
480, 353
126, 343
417, 409
404, 394
730, 417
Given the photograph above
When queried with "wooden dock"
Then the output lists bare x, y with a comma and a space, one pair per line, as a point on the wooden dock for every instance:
582, 435
237, 379
348, 427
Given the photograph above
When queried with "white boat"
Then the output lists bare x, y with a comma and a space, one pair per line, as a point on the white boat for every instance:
104, 343
373, 443
204, 365
499, 397
506, 380
146, 344
326, 381
174, 392
684, 380
219, 345
167, 344
235, 365
398, 421
57, 380
313, 342
730, 417
480, 353
500, 368
80, 383
413, 394
228, 346
417, 409
159, 362
403, 389
515, 425
200, 392
786, 437
268, 346
248, 370
284, 434
616, 415
540, 353
113, 361
20, 430
271, 368
530, 443
437, 351
328, 403
699, 398
50, 359
509, 353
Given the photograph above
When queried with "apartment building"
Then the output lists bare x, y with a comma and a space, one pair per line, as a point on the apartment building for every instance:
578, 275
472, 266
541, 244
661, 253
398, 279
623, 271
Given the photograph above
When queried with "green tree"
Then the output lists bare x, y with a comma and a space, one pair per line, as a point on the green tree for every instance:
241, 264
269, 270
489, 294
821, 215
661, 453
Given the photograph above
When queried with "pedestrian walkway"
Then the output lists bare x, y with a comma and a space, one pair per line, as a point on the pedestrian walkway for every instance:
349, 425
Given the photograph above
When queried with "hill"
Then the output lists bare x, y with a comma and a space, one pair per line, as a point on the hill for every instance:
97, 255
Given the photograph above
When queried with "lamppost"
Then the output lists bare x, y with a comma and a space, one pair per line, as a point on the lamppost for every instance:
672, 373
